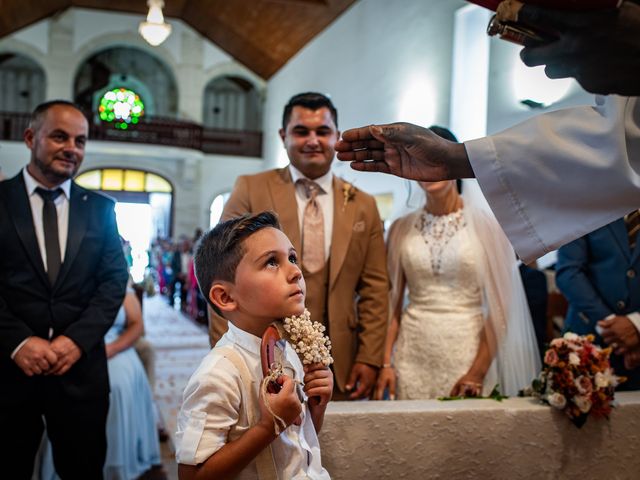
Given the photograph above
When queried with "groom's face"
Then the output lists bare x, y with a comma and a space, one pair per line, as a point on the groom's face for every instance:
310, 138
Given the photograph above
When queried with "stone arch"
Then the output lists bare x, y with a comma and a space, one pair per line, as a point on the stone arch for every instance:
22, 82
129, 66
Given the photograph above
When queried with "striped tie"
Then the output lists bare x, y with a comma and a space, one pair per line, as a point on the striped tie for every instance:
632, 221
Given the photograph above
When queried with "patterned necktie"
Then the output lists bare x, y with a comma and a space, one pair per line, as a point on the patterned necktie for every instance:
50, 224
632, 221
312, 229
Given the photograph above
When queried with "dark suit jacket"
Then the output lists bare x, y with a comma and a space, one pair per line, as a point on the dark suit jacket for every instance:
82, 303
598, 273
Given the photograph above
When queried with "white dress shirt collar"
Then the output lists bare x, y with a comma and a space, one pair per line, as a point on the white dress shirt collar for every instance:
31, 184
243, 339
325, 181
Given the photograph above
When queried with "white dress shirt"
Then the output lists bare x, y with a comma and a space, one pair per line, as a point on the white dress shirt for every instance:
324, 198
212, 412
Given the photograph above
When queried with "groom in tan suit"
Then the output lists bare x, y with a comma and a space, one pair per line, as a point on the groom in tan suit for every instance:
337, 232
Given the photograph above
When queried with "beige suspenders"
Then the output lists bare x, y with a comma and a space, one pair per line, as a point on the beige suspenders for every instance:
264, 461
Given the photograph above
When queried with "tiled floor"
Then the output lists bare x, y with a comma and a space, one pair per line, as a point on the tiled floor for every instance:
179, 344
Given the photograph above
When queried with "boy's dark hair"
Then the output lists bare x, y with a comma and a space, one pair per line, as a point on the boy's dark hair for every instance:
447, 135
39, 112
220, 250
310, 100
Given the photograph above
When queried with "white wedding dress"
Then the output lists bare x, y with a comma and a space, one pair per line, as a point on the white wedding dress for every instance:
440, 327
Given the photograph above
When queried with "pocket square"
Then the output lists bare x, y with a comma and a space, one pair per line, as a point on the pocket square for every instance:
359, 226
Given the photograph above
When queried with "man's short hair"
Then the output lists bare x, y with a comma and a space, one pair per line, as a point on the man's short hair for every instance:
220, 250
310, 100
39, 112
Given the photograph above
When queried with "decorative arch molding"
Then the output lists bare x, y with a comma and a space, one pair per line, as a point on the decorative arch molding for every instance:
157, 83
23, 79
166, 168
11, 45
127, 40
233, 99
234, 69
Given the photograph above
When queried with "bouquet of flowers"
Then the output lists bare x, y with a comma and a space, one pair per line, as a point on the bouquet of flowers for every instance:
308, 339
576, 378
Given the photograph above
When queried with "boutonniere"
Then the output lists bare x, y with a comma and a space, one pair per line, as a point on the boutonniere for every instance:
348, 193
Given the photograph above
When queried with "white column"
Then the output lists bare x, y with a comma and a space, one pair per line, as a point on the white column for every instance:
190, 78
470, 78
60, 64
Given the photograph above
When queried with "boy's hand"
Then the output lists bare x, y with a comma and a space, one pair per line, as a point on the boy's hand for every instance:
285, 404
318, 384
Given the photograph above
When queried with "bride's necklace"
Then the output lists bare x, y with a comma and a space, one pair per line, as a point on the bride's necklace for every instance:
437, 231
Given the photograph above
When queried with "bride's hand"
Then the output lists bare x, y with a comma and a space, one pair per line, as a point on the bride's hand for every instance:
467, 386
386, 379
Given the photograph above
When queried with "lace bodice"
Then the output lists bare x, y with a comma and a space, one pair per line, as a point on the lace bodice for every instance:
441, 324
439, 265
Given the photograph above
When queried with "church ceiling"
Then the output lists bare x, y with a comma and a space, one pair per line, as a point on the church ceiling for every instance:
261, 34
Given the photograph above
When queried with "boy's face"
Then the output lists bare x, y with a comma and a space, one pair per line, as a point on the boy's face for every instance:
268, 284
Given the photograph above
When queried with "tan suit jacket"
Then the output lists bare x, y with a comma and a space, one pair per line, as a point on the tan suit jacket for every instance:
357, 298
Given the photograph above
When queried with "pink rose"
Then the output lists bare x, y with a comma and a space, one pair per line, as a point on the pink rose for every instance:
557, 342
551, 357
584, 385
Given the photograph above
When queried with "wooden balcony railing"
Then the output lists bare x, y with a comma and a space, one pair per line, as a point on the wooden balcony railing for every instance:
155, 131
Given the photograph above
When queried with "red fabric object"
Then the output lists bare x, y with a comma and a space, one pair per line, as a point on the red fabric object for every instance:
268, 355
556, 4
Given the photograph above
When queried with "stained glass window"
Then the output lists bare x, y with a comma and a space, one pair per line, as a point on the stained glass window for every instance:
122, 107
116, 179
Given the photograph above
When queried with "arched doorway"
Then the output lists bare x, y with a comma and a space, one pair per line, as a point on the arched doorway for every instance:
144, 209
22, 83
231, 102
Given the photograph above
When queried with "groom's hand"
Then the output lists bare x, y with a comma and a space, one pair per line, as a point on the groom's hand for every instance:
363, 379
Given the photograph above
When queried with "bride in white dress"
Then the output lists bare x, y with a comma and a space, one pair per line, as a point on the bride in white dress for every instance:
466, 326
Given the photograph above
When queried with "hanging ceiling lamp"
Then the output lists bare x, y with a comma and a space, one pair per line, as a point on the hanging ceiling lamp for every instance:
155, 30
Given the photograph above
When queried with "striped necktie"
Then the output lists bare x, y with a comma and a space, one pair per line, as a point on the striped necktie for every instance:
632, 221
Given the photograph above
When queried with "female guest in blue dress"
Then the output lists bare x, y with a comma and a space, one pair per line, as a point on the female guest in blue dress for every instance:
132, 436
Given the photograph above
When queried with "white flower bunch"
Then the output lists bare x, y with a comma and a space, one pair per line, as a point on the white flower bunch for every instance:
308, 339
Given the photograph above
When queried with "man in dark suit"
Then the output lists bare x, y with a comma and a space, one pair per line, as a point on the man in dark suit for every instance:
598, 275
62, 280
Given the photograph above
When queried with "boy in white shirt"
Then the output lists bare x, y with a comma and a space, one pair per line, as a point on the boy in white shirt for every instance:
248, 270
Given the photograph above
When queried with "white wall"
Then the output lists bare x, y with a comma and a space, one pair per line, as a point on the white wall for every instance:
381, 62
504, 109
387, 61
